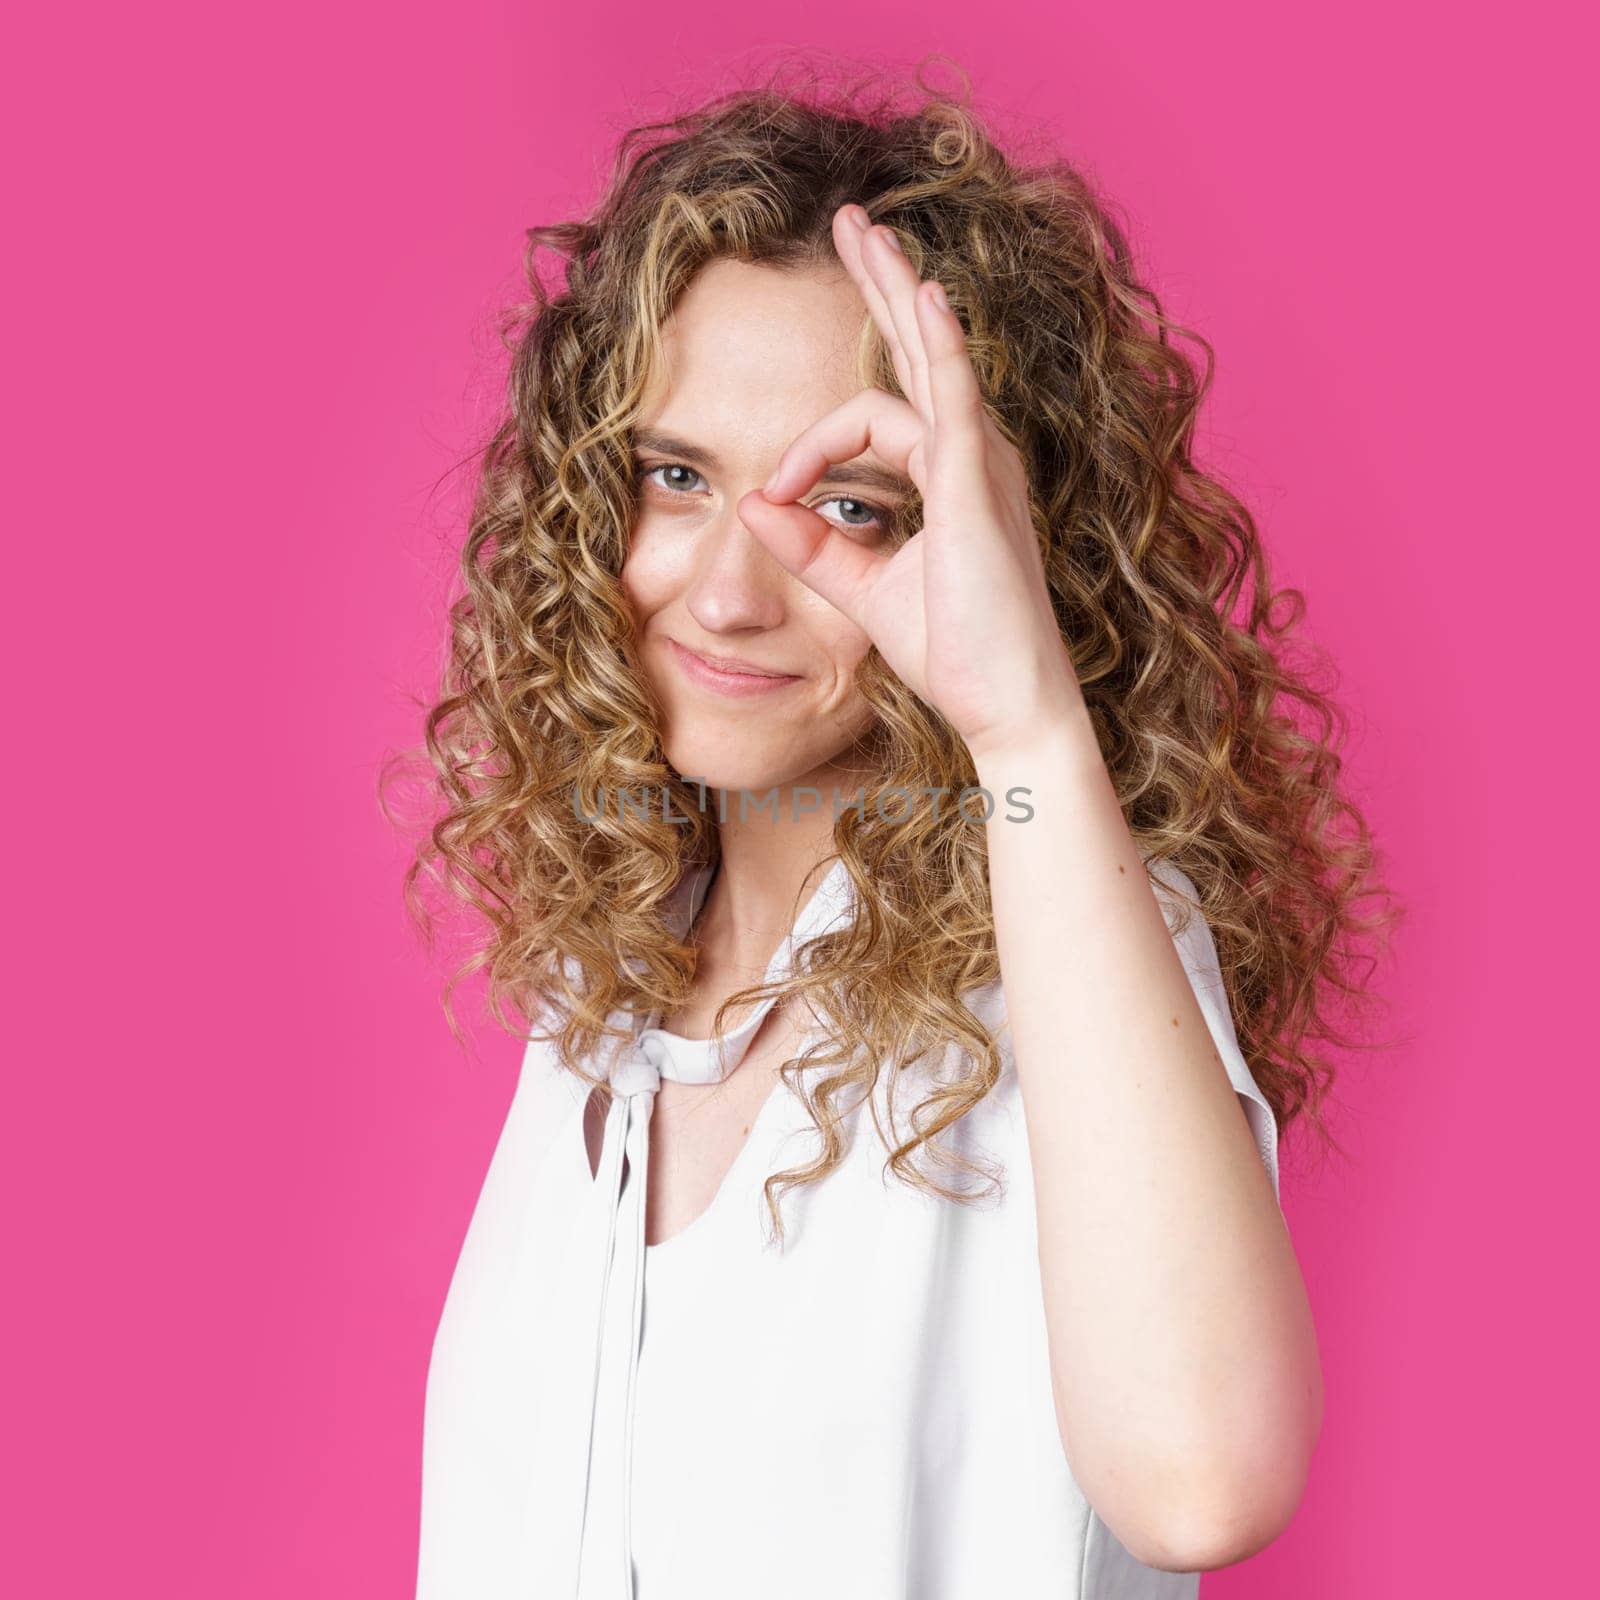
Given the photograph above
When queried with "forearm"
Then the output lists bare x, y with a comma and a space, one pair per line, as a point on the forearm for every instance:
1184, 1359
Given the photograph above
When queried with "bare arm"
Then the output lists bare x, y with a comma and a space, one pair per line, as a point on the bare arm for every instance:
1184, 1361
1187, 1384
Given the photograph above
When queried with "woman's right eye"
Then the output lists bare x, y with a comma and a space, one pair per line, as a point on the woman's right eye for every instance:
646, 470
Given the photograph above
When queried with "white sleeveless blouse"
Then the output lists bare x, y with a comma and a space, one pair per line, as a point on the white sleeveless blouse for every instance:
865, 1414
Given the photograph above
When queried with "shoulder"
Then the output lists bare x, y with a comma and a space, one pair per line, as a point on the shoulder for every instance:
547, 1091
1197, 948
1176, 894
1179, 900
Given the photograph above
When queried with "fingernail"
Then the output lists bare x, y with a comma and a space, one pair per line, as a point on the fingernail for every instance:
937, 291
890, 240
857, 217
766, 488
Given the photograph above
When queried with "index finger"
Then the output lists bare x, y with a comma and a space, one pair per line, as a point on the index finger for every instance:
870, 418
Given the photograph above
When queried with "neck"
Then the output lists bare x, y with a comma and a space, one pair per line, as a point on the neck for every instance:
772, 861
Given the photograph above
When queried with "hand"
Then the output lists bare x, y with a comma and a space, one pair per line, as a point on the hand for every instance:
961, 611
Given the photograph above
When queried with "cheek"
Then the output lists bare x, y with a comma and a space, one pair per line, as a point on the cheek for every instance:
843, 644
644, 582
656, 567
834, 636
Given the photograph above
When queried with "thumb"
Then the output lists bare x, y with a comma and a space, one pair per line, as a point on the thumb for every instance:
812, 549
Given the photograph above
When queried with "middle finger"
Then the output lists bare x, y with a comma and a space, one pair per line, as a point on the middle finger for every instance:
888, 282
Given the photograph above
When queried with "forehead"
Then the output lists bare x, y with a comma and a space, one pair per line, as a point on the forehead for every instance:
753, 354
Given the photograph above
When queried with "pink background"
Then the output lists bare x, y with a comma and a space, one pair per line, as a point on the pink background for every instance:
252, 267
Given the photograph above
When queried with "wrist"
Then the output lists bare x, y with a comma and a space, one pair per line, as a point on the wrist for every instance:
1061, 735
1059, 772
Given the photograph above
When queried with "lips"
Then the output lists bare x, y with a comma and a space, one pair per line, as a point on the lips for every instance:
725, 676
733, 664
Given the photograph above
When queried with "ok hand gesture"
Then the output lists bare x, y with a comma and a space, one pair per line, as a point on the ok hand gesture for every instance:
960, 611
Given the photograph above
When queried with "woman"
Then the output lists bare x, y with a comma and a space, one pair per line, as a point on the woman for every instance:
864, 738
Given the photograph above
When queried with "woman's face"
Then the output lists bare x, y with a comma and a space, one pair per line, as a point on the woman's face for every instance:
754, 355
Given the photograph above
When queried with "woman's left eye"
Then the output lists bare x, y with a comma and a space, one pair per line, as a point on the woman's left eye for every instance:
876, 518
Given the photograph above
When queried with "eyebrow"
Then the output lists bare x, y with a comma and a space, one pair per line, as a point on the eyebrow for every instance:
848, 472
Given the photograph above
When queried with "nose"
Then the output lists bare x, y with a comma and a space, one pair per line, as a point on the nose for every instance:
737, 581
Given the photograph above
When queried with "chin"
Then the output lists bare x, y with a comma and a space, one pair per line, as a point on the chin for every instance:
726, 770
756, 769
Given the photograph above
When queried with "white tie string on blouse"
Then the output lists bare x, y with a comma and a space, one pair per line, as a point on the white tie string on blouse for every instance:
635, 1075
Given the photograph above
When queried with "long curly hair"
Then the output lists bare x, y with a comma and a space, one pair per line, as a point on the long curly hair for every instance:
1223, 749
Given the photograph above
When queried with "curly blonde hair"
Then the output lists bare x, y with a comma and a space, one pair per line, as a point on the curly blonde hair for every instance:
1222, 749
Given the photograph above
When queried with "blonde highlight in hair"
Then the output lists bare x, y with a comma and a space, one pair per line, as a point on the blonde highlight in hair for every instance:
1222, 749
